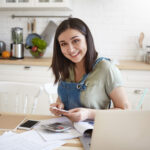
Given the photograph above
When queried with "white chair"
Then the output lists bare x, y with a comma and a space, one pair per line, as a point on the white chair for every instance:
19, 97
51, 90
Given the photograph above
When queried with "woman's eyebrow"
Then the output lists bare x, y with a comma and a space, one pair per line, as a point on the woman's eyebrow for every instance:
74, 37
70, 38
61, 41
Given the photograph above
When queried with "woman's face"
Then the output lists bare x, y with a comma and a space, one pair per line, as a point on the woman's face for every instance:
73, 45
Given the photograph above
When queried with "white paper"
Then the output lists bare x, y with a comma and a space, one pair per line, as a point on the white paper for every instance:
52, 136
29, 140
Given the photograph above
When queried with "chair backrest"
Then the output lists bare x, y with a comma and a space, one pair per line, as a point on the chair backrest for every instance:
51, 90
19, 97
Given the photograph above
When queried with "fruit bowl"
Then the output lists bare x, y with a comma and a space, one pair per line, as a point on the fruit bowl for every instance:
38, 47
36, 52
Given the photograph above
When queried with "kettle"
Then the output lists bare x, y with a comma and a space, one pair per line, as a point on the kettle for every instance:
2, 47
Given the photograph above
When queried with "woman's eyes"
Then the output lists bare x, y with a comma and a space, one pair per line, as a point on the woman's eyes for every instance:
76, 41
62, 44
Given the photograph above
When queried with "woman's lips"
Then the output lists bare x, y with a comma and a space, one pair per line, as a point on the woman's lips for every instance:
75, 54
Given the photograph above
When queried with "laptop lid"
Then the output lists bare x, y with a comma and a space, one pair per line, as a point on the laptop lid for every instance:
121, 130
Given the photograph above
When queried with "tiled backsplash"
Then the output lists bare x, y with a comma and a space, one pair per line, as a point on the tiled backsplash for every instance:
115, 25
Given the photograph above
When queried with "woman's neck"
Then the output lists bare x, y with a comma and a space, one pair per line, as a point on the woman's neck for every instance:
79, 71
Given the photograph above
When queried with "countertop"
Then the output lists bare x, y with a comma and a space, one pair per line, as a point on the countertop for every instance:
123, 64
133, 65
28, 61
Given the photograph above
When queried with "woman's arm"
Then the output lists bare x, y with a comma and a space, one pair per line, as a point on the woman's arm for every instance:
119, 98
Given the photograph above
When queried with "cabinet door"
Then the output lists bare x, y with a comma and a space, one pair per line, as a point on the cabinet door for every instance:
139, 98
136, 82
16, 3
21, 73
55, 4
64, 4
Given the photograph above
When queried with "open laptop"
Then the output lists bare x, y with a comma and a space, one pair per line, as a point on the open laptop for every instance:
121, 130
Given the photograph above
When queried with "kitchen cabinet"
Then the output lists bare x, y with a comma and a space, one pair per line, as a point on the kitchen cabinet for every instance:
136, 81
34, 4
25, 73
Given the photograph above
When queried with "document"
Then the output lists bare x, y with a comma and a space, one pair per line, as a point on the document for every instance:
77, 129
29, 140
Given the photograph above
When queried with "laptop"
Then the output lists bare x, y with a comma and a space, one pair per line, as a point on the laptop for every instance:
121, 130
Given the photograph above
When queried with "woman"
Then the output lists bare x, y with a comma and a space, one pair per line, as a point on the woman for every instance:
86, 82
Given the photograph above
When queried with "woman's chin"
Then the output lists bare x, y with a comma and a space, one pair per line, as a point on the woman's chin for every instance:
76, 60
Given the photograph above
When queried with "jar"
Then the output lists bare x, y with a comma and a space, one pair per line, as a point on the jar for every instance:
147, 57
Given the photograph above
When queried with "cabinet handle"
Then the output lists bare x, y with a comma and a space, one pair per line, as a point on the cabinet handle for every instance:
27, 67
138, 91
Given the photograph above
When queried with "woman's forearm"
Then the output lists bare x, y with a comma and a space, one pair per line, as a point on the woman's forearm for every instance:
91, 113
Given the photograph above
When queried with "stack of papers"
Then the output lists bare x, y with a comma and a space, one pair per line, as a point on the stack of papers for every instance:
41, 138
29, 140
77, 129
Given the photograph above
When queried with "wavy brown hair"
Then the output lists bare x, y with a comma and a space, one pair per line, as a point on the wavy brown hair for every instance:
60, 64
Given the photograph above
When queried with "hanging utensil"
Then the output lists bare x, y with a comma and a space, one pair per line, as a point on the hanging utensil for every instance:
141, 38
34, 26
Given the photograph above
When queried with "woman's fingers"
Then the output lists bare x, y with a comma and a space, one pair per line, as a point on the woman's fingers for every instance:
57, 105
74, 110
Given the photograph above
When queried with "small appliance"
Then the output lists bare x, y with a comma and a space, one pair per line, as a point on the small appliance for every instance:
2, 47
17, 46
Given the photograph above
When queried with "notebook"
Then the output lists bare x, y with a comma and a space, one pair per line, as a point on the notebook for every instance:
121, 130
10, 121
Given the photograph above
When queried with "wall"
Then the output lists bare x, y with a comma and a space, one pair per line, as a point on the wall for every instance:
115, 24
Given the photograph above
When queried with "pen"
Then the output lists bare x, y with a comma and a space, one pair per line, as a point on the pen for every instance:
40, 135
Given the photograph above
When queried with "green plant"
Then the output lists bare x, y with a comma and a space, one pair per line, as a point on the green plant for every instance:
38, 48
39, 43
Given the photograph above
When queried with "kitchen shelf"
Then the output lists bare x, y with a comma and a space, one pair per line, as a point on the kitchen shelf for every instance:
133, 65
28, 61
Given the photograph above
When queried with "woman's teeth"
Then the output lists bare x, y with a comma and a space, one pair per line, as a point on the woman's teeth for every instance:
75, 54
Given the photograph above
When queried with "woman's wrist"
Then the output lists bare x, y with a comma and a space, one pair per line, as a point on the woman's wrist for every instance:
91, 113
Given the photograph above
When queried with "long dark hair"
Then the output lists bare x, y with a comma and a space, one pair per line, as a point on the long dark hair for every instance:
60, 64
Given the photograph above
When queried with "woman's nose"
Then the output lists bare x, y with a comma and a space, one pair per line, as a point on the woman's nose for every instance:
70, 48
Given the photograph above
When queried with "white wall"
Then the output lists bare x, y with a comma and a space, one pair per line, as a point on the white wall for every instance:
115, 24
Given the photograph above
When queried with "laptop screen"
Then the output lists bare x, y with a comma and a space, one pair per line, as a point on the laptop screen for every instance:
121, 130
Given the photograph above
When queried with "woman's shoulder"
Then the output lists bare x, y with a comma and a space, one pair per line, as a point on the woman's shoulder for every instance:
104, 64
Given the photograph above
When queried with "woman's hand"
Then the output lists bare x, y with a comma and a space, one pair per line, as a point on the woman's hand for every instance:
59, 105
80, 114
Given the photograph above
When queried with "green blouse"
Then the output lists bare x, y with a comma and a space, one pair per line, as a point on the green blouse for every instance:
100, 82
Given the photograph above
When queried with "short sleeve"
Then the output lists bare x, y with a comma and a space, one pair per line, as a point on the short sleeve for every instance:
113, 78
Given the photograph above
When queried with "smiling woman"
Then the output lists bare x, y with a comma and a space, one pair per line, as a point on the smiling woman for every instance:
86, 82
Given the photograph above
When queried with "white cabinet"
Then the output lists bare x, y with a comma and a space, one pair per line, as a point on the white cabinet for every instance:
55, 4
136, 82
16, 3
25, 73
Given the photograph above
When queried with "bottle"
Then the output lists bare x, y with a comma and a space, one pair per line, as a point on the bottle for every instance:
140, 56
147, 55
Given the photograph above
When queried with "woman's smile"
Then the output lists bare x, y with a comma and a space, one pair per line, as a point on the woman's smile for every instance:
75, 54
